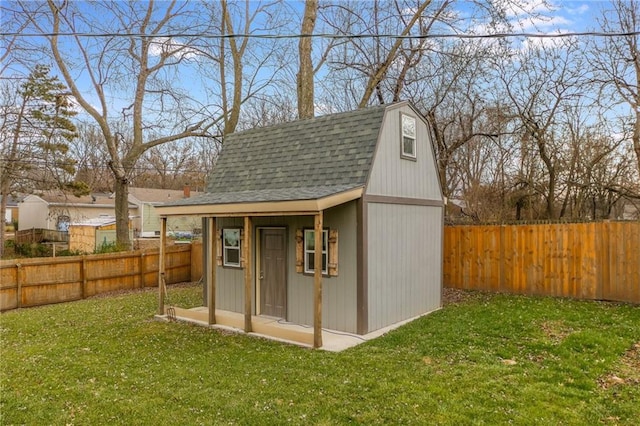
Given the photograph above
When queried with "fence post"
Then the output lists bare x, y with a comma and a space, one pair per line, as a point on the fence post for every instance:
84, 277
142, 271
501, 267
19, 278
603, 262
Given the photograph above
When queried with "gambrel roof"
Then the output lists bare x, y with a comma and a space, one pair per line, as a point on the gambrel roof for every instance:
300, 160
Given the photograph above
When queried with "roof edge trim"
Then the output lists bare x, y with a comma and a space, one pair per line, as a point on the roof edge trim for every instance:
264, 208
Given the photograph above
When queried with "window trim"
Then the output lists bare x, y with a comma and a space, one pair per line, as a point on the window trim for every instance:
225, 262
63, 220
414, 137
325, 251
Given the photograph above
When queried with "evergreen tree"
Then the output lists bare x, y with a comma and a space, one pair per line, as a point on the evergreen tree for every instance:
35, 132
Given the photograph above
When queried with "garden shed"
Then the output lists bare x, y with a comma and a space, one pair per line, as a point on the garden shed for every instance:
334, 222
92, 234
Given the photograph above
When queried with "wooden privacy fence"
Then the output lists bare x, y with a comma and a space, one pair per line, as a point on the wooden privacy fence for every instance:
37, 235
42, 281
598, 261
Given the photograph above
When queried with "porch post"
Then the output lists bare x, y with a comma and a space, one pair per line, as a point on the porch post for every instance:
317, 282
248, 265
212, 234
161, 264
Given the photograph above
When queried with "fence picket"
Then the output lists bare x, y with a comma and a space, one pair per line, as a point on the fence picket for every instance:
598, 261
43, 281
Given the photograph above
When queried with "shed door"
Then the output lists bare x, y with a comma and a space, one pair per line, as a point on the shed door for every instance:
273, 272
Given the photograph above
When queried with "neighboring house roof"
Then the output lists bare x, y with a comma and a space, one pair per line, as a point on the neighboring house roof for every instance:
158, 196
61, 198
12, 201
301, 160
96, 221
107, 200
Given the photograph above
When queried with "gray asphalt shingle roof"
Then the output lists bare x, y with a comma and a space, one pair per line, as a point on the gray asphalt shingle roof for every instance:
300, 160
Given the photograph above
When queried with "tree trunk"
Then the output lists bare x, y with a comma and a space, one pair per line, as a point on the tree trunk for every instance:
636, 137
551, 197
305, 74
551, 170
4, 193
122, 213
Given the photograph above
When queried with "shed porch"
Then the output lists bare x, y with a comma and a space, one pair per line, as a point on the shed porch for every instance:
276, 328
247, 213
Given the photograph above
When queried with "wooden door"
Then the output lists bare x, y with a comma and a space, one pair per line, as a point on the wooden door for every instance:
273, 272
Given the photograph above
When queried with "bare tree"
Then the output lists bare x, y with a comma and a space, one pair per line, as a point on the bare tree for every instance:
267, 111
450, 90
540, 83
90, 151
132, 59
603, 174
181, 164
235, 69
365, 62
385, 57
617, 60
446, 78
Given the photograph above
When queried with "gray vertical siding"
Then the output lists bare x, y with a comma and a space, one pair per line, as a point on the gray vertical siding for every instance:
398, 177
404, 239
229, 281
338, 293
404, 262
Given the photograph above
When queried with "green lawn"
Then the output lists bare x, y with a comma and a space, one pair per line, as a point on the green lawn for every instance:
486, 359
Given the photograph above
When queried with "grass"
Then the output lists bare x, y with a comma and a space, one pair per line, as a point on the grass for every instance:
486, 359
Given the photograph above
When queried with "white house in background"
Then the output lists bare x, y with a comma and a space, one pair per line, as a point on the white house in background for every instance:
57, 209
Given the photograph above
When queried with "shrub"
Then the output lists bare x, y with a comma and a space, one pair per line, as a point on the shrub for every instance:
33, 250
69, 253
112, 247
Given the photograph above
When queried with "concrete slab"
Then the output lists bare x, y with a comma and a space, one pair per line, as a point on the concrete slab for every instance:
279, 329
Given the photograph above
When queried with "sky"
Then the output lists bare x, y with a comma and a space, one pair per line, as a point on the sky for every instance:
564, 16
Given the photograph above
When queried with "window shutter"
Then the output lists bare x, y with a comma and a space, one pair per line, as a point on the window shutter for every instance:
299, 251
333, 252
241, 254
219, 248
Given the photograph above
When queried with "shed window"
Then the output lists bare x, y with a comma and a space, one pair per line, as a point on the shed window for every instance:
408, 142
309, 251
231, 247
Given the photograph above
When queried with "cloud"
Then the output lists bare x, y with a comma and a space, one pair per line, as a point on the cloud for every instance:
580, 10
524, 7
535, 43
171, 47
542, 23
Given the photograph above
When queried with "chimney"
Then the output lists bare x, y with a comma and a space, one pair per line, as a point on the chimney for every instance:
187, 191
